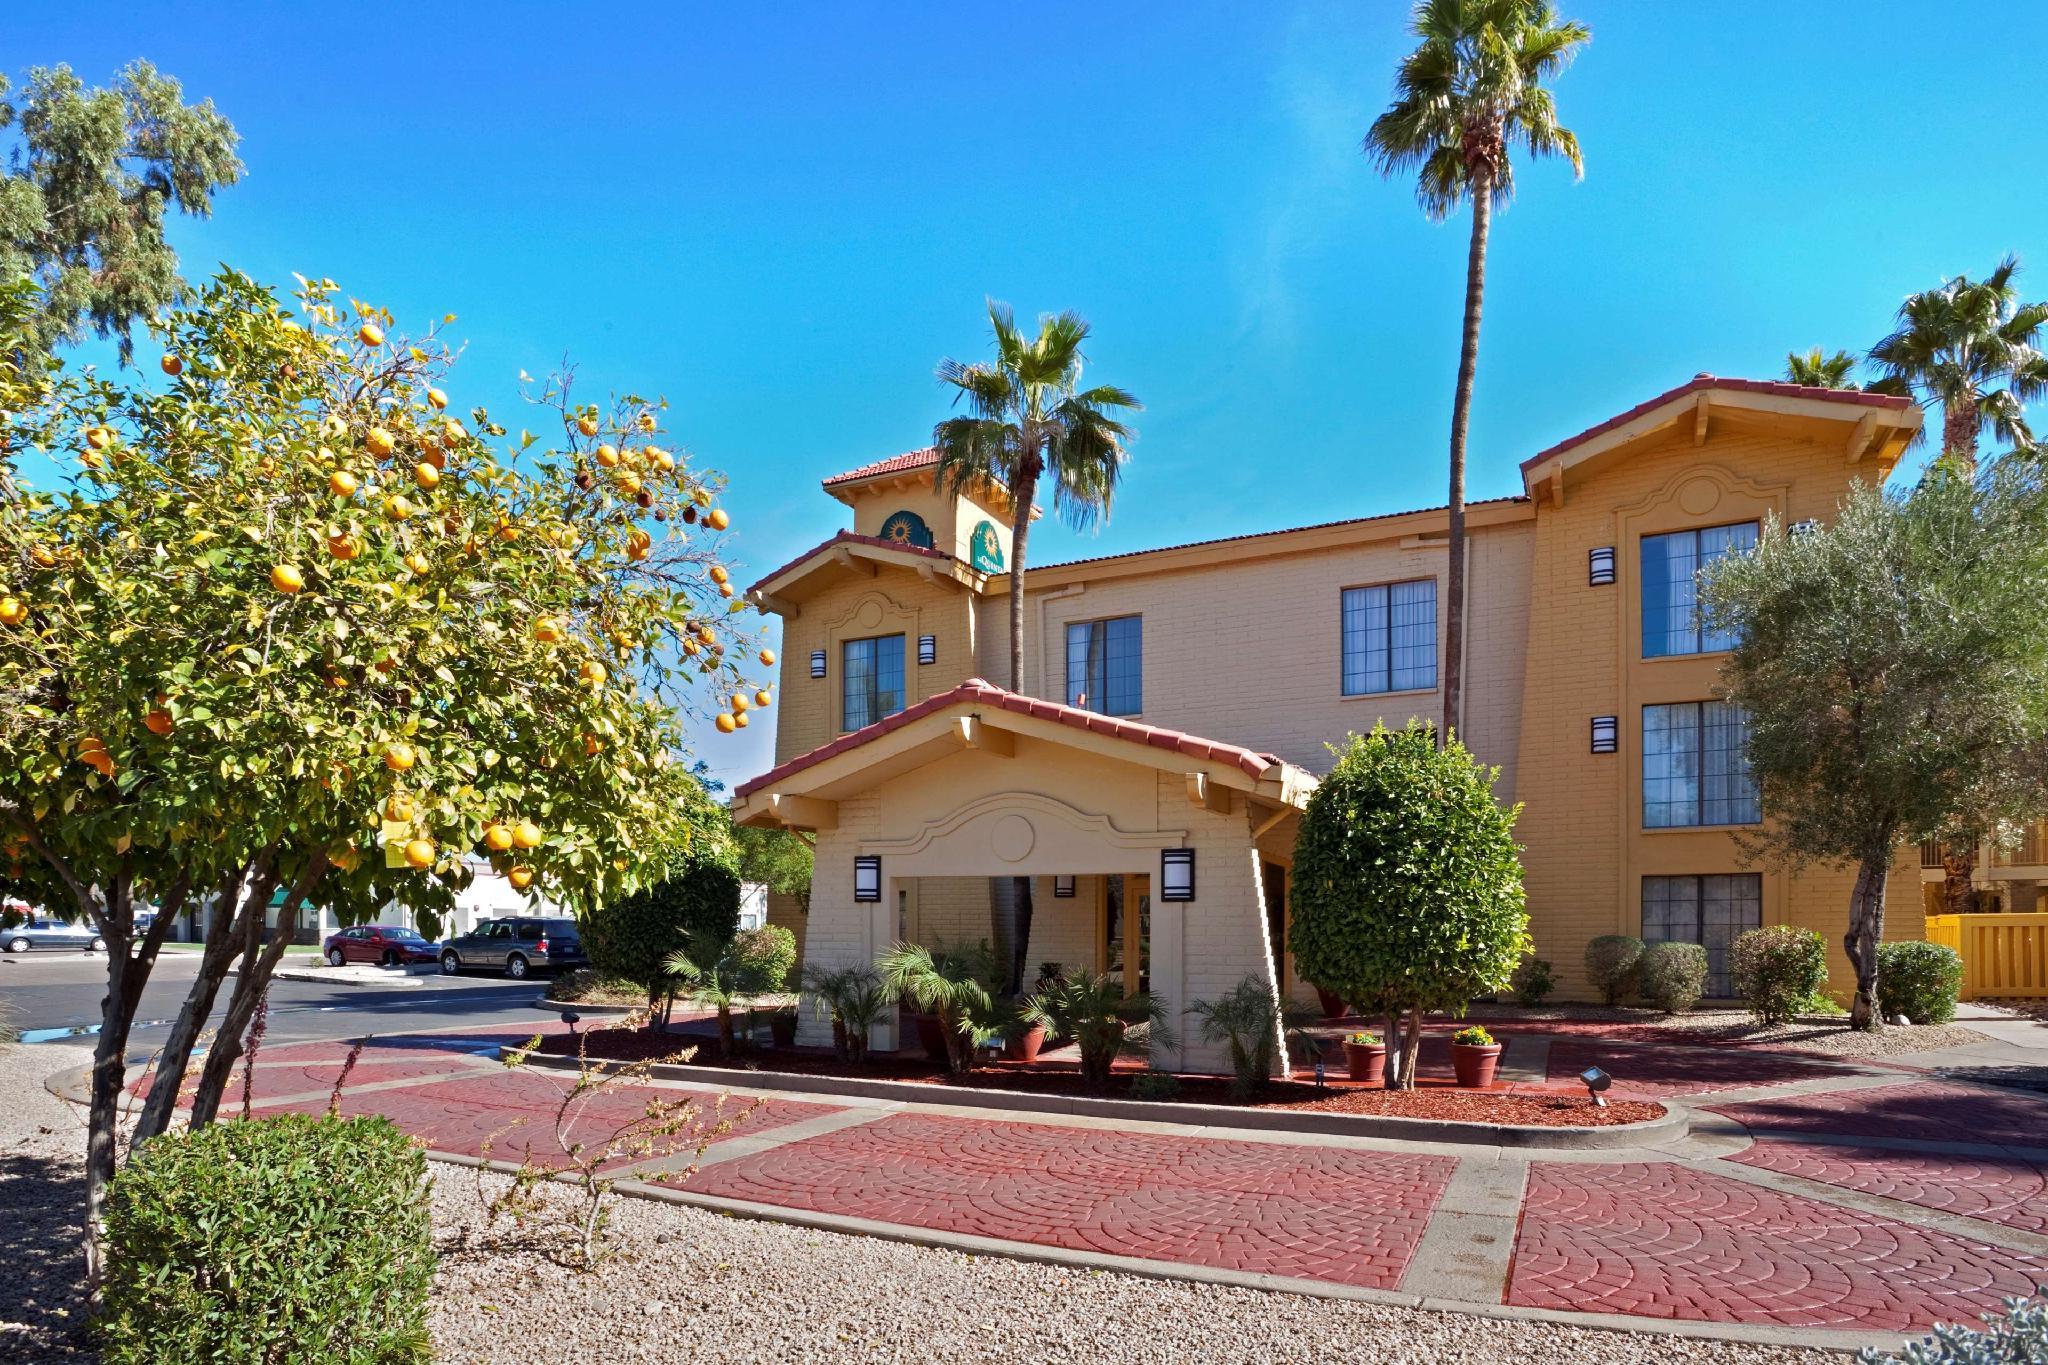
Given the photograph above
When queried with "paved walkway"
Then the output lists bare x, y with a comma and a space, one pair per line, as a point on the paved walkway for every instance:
1814, 1201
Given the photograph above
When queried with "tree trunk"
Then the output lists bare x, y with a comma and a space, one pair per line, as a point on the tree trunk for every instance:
1020, 532
1461, 417
109, 1071
224, 935
1020, 946
250, 984
1866, 929
1958, 879
1959, 423
1390, 1070
1411, 1049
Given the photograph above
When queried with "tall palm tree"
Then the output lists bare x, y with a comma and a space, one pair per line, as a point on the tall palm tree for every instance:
1971, 348
1473, 86
1028, 418
1816, 369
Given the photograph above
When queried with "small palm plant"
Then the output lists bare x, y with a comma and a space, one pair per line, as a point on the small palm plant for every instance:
853, 998
715, 986
1095, 1012
1248, 1018
952, 983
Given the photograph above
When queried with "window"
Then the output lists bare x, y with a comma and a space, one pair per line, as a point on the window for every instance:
1390, 637
1106, 666
1671, 567
871, 680
1709, 911
1695, 770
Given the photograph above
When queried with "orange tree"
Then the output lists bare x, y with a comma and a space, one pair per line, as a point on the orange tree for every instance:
299, 635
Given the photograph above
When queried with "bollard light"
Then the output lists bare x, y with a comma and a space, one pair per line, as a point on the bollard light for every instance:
1596, 1081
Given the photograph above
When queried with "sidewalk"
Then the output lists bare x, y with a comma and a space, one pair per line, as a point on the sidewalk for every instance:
1840, 1207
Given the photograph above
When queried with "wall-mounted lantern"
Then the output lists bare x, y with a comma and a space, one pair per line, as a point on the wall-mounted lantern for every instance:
867, 877
1606, 734
1805, 528
1063, 886
817, 663
927, 649
1600, 566
1176, 874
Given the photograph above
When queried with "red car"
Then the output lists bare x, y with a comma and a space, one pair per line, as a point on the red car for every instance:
385, 944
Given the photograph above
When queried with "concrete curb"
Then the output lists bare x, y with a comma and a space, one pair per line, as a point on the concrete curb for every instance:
339, 976
542, 1002
1821, 1338
1672, 1126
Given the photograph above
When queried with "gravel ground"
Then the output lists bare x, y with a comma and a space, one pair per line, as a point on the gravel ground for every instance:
690, 1285
1825, 1033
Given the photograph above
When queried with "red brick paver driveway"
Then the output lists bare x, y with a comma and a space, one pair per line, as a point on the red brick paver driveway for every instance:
1345, 1216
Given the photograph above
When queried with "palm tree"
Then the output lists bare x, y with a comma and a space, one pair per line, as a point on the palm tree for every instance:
1973, 349
1028, 418
1094, 1011
952, 983
1473, 85
1816, 369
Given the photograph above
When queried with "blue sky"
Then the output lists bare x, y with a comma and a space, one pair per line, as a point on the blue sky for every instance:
783, 217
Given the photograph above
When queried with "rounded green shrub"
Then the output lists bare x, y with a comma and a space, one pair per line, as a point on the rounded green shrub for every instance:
763, 958
694, 910
1532, 982
1407, 878
1778, 971
275, 1239
1611, 964
1919, 980
1673, 976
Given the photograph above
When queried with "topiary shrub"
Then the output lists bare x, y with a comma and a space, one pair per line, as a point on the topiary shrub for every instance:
1918, 980
1673, 976
1532, 982
695, 909
1778, 970
1611, 963
286, 1238
1407, 880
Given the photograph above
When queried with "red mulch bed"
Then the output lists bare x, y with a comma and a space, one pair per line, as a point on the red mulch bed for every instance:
1057, 1075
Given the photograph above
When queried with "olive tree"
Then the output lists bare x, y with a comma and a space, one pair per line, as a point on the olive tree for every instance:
295, 625
1895, 671
1407, 882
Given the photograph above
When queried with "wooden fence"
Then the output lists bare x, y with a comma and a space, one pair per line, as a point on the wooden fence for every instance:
2004, 956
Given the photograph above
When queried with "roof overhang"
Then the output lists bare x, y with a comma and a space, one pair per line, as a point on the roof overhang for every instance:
917, 470
976, 716
847, 556
1870, 428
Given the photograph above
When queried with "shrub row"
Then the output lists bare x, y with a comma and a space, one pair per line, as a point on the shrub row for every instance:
1779, 971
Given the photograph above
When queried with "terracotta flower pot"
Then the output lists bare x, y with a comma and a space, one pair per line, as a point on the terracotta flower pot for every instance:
782, 1028
1333, 1006
1366, 1061
931, 1036
1475, 1064
1022, 1045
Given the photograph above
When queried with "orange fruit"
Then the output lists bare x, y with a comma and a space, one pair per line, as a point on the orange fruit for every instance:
370, 334
638, 543
92, 752
646, 421
43, 557
591, 674
521, 877
453, 432
158, 722
768, 657
437, 457
416, 562
92, 459
172, 365
740, 719
526, 834
497, 836
400, 757
660, 459
342, 484
286, 578
718, 573
425, 474
690, 645
397, 509
348, 859
592, 746
763, 698
628, 481
587, 424
725, 589
507, 532
725, 723
399, 807
344, 545
437, 398
716, 519
420, 853
739, 701
13, 611
380, 442
99, 438
608, 455
547, 630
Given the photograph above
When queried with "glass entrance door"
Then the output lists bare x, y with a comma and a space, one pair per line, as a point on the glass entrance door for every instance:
1127, 930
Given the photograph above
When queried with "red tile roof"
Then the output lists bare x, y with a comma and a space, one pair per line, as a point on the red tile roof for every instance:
895, 464
1262, 535
849, 538
1700, 382
980, 692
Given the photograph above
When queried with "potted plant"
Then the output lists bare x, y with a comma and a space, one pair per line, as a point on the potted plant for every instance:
1095, 1012
1474, 1056
1365, 1056
1022, 1037
1332, 1003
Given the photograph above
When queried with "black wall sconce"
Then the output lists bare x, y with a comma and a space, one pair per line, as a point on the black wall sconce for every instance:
1063, 886
1600, 566
817, 663
927, 649
1606, 734
867, 877
1176, 874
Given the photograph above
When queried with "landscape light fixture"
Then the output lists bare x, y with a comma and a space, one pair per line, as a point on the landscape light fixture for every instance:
1596, 1081
572, 1019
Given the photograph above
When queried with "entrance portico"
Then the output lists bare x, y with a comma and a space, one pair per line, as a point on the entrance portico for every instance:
1145, 851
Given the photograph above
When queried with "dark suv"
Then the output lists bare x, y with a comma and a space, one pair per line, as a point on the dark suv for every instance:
516, 946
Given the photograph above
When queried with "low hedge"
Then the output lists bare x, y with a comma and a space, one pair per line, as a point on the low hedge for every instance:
1779, 971
1673, 976
274, 1239
1919, 980
1611, 963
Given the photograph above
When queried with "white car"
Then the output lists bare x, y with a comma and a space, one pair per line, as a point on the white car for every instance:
41, 931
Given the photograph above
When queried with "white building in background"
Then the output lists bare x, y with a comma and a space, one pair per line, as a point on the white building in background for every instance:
753, 905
